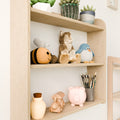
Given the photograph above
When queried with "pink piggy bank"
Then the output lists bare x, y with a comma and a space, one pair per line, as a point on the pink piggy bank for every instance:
77, 96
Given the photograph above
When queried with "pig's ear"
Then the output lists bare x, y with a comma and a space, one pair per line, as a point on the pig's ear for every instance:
70, 88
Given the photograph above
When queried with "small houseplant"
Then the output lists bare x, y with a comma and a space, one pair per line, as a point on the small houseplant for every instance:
87, 14
70, 8
42, 4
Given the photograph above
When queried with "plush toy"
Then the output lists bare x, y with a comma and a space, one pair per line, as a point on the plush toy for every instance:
40, 44
54, 59
58, 104
40, 56
66, 49
86, 53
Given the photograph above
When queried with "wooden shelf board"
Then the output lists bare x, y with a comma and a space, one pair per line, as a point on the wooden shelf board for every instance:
65, 65
116, 96
58, 20
116, 68
68, 110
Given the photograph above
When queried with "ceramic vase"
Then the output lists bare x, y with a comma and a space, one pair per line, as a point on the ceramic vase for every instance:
87, 16
70, 10
38, 107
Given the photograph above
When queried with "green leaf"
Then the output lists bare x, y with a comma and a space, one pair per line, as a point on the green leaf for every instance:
43, 1
34, 1
88, 8
52, 2
85, 8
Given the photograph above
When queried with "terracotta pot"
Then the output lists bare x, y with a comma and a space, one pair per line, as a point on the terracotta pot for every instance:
38, 107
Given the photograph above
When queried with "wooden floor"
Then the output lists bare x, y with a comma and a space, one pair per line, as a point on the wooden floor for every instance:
66, 65
70, 110
116, 96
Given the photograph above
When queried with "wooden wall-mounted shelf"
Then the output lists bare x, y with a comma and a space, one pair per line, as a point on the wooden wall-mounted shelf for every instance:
58, 20
66, 65
116, 96
96, 38
70, 110
20, 68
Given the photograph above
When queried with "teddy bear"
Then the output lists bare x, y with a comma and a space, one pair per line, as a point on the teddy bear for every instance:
58, 104
66, 49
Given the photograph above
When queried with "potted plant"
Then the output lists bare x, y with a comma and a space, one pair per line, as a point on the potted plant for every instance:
70, 8
42, 4
87, 14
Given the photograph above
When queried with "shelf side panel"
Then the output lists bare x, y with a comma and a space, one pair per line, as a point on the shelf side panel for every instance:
20, 60
97, 42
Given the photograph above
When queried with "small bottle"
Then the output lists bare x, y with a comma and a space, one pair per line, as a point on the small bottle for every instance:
38, 107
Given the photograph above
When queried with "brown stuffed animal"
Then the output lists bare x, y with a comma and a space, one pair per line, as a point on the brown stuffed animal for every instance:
58, 104
54, 59
66, 49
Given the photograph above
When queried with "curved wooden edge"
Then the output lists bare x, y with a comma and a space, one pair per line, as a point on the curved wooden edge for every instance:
100, 22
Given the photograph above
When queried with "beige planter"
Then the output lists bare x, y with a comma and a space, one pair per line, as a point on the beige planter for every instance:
38, 107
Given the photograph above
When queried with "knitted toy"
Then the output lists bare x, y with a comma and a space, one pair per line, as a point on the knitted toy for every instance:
86, 53
66, 49
44, 45
40, 56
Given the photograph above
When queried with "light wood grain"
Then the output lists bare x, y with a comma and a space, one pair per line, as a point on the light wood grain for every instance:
20, 60
116, 96
58, 20
112, 63
97, 42
116, 68
65, 65
68, 110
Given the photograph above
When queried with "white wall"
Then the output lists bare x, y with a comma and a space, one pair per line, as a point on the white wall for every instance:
4, 60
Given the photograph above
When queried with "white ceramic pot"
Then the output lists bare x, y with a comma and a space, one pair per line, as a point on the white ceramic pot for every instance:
38, 108
42, 6
87, 16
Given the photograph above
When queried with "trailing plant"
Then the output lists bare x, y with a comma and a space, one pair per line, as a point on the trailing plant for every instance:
51, 2
69, 1
88, 8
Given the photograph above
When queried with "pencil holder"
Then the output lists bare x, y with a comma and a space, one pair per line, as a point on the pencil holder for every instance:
90, 94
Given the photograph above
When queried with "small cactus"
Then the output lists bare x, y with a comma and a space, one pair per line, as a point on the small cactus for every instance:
88, 8
69, 1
